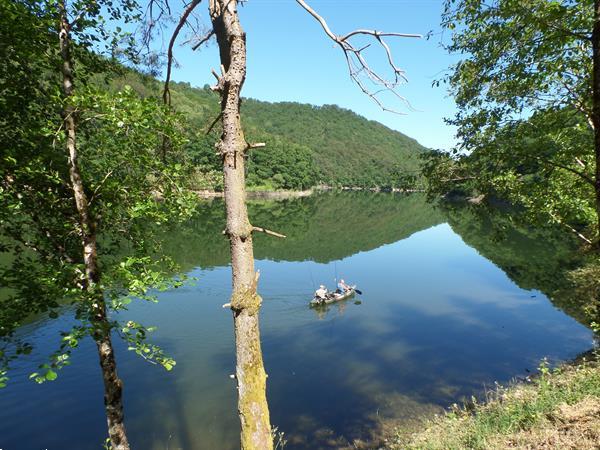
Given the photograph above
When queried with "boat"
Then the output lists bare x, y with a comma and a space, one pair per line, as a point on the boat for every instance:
333, 297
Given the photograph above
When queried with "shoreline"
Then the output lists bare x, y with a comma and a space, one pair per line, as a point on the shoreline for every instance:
554, 408
286, 194
258, 195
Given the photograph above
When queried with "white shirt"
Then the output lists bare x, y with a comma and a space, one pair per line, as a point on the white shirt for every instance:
321, 292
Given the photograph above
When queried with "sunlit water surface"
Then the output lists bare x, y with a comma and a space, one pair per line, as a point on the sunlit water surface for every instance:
436, 322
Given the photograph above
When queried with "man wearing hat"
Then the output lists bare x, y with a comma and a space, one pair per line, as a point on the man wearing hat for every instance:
321, 293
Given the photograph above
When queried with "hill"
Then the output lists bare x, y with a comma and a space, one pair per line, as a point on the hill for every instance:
347, 148
306, 144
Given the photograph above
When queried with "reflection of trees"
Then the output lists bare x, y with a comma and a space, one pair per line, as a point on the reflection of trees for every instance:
534, 258
332, 226
321, 228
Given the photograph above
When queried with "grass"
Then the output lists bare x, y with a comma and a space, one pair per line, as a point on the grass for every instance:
558, 409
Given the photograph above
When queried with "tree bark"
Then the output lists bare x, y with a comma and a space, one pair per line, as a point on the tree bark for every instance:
245, 302
113, 387
596, 107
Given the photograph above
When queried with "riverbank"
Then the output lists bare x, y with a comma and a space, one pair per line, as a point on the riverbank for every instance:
259, 195
285, 194
560, 408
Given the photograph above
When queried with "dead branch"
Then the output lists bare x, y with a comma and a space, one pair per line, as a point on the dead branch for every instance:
357, 64
269, 232
151, 21
184, 16
214, 122
202, 40
256, 145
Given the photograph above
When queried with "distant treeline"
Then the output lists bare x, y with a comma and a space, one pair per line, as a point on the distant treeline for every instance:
305, 145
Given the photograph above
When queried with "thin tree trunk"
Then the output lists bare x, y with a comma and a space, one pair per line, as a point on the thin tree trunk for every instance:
245, 302
113, 387
596, 106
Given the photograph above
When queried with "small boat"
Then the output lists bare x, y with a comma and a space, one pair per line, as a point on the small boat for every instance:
333, 297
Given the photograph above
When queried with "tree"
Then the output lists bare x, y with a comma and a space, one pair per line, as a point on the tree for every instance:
94, 296
283, 165
80, 181
233, 148
523, 61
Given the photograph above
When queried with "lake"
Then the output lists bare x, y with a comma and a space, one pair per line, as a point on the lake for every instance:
452, 303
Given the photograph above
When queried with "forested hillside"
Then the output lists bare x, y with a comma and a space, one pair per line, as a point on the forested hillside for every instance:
347, 148
306, 145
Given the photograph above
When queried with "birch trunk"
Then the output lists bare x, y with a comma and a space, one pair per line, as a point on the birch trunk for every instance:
245, 302
113, 386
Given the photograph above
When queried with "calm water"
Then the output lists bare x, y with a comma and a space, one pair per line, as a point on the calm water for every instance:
446, 310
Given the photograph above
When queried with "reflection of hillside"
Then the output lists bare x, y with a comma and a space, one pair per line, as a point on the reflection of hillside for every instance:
340, 225
321, 228
534, 258
333, 226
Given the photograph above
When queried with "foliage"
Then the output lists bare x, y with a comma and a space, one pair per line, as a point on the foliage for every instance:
131, 192
586, 282
518, 57
348, 150
305, 144
27, 86
446, 175
522, 415
286, 165
543, 165
523, 90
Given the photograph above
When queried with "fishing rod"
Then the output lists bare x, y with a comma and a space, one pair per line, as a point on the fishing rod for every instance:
311, 278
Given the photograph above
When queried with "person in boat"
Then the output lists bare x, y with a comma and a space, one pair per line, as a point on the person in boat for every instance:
342, 287
321, 293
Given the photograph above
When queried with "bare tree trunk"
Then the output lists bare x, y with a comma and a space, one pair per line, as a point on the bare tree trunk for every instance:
113, 387
245, 302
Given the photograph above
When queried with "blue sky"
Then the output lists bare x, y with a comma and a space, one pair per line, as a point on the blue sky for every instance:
291, 59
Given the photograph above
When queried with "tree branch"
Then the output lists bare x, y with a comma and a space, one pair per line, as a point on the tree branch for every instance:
583, 175
250, 146
269, 232
204, 39
110, 172
184, 16
357, 64
214, 122
150, 22
570, 228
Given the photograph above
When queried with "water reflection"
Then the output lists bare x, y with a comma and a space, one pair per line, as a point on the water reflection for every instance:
320, 228
439, 318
